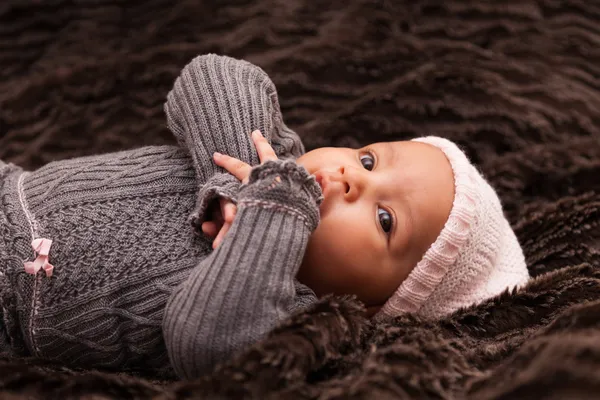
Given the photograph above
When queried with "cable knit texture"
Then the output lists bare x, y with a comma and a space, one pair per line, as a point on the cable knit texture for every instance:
14, 246
123, 246
476, 255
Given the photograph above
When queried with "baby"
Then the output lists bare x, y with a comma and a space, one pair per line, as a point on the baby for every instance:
99, 266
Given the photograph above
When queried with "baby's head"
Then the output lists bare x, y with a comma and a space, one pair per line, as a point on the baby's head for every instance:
408, 226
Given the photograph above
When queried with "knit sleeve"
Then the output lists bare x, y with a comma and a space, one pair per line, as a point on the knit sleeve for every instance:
244, 288
214, 105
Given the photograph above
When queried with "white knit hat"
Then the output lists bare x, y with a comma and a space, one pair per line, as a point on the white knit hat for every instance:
476, 255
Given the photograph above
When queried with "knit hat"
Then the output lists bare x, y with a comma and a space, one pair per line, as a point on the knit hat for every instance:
476, 255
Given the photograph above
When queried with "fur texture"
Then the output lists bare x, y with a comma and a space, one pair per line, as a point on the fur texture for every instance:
515, 84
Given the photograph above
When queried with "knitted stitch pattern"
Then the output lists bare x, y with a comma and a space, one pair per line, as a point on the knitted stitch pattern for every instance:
475, 257
14, 246
122, 239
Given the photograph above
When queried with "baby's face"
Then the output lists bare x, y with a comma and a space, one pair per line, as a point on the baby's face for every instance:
383, 206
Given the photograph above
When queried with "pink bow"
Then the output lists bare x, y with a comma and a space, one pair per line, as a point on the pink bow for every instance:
42, 248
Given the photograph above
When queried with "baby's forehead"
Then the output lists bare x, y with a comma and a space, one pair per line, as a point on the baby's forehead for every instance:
394, 143
400, 153
405, 145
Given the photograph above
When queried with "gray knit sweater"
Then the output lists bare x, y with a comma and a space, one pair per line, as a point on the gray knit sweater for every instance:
135, 284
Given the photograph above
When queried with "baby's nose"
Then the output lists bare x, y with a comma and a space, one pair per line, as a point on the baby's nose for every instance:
338, 173
341, 175
334, 173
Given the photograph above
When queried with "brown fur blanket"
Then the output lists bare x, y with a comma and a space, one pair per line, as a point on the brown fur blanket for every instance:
517, 83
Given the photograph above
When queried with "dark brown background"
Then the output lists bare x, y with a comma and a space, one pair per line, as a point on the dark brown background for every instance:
516, 83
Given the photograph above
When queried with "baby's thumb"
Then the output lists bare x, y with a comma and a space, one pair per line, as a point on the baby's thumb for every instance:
228, 209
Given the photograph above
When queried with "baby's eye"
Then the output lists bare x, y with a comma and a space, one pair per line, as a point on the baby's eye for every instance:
385, 221
367, 157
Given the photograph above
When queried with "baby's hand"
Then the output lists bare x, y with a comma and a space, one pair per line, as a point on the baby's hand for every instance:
222, 219
240, 170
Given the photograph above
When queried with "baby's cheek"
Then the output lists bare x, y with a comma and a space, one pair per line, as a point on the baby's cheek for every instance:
352, 262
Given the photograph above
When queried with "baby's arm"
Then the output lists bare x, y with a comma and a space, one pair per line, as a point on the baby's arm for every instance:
214, 105
244, 288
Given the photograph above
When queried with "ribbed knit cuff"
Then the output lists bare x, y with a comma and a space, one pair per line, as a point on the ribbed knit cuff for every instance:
286, 185
239, 293
220, 185
216, 103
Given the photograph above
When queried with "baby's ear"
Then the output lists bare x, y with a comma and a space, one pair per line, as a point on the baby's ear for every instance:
372, 310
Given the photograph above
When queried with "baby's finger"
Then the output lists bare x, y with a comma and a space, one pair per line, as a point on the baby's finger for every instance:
264, 149
209, 229
230, 211
236, 167
221, 235
226, 209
